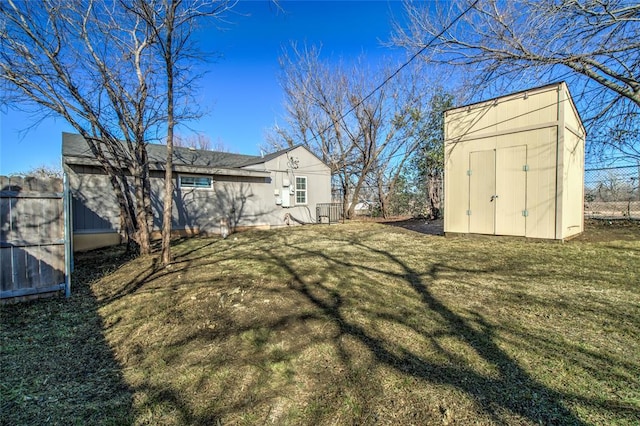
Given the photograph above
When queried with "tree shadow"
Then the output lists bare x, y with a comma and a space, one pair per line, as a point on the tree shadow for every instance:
231, 203
56, 365
152, 269
513, 390
508, 393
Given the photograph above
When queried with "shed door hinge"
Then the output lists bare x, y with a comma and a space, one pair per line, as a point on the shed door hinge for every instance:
468, 212
525, 213
469, 172
525, 168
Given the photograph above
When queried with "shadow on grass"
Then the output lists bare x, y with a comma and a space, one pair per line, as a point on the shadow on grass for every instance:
55, 365
252, 349
514, 391
155, 269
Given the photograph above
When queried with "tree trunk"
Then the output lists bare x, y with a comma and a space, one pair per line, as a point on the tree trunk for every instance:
434, 196
168, 176
345, 196
352, 205
142, 232
382, 199
168, 201
356, 193
345, 208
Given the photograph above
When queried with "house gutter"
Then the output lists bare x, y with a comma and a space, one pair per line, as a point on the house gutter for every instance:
221, 171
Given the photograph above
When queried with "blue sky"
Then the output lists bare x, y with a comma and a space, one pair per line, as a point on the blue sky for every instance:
240, 93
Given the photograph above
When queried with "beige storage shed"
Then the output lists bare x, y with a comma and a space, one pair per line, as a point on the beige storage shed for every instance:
514, 165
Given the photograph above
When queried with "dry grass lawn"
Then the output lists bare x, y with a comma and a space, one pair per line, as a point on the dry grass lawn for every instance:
360, 323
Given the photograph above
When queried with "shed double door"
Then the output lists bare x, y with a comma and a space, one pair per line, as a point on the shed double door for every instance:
498, 191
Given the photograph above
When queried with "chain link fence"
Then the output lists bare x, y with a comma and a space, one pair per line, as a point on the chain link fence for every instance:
612, 193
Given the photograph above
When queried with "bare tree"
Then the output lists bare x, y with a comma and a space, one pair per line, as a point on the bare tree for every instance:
427, 163
409, 104
200, 141
197, 141
172, 24
43, 171
112, 70
593, 44
88, 62
334, 110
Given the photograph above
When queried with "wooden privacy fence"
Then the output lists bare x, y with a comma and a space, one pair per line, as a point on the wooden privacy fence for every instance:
35, 248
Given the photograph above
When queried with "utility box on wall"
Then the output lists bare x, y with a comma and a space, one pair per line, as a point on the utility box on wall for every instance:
514, 165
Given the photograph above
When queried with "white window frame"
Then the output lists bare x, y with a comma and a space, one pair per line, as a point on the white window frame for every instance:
181, 184
304, 191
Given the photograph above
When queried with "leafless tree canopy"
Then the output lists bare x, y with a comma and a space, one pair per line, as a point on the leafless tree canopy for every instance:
43, 171
171, 24
111, 70
506, 45
365, 135
90, 63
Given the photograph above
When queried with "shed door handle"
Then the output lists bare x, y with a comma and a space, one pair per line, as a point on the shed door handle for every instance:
493, 197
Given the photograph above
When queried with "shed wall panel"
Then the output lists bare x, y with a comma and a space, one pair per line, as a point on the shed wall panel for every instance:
526, 109
573, 175
511, 189
459, 123
486, 120
456, 189
482, 185
571, 118
536, 108
541, 183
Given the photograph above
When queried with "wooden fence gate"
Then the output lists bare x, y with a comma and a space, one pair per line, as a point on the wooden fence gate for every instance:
35, 244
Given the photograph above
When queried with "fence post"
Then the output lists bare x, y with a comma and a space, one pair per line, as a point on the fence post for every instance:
68, 253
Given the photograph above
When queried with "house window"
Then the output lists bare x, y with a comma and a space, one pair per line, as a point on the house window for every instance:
195, 182
301, 190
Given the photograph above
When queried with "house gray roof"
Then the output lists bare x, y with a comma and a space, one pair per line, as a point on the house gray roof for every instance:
75, 150
74, 145
271, 156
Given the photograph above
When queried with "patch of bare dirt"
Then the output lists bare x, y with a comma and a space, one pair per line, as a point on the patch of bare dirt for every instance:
595, 230
424, 226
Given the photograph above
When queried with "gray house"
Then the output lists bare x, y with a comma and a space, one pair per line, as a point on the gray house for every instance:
279, 189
